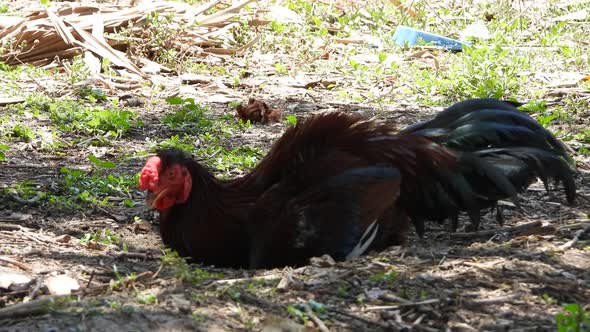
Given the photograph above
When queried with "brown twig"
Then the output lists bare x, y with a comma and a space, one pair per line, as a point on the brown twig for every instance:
320, 324
16, 263
492, 300
583, 223
518, 228
396, 306
33, 294
158, 271
88, 283
9, 227
361, 319
35, 307
139, 255
125, 282
233, 281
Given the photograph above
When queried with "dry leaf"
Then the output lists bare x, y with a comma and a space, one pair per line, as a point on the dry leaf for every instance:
195, 79
60, 27
95, 245
323, 261
106, 51
141, 227
258, 111
223, 15
404, 9
425, 54
63, 238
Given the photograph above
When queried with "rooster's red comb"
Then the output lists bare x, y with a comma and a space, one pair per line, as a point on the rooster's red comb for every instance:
150, 174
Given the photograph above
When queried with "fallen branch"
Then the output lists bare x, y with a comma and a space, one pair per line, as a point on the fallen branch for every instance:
490, 232
15, 217
33, 294
16, 263
21, 201
233, 281
583, 223
124, 282
138, 255
250, 298
362, 319
320, 324
576, 238
9, 227
36, 307
397, 306
492, 300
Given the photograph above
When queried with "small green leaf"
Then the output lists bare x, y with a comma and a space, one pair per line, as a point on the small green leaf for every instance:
174, 100
2, 155
103, 164
382, 56
291, 119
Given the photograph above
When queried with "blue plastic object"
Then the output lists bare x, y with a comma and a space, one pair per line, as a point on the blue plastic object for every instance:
409, 36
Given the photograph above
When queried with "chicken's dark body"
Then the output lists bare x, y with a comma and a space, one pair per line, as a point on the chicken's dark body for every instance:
341, 185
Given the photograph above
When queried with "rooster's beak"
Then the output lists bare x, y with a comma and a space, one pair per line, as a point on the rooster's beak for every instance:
150, 198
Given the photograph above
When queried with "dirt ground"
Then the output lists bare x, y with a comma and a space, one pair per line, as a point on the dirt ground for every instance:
513, 277
502, 279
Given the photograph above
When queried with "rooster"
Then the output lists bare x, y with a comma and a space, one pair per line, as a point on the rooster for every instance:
339, 184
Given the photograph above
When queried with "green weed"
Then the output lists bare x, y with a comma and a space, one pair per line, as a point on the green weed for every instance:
186, 143
25, 190
95, 189
574, 319
105, 236
188, 116
182, 269
146, 298
291, 120
23, 132
389, 277
224, 160
482, 72
3, 147
70, 115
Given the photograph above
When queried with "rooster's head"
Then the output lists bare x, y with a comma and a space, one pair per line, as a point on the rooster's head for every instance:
166, 179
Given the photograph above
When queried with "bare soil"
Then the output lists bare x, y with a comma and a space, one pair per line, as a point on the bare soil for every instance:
503, 279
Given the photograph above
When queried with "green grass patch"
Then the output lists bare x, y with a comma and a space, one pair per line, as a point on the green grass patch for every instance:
573, 319
78, 116
96, 189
